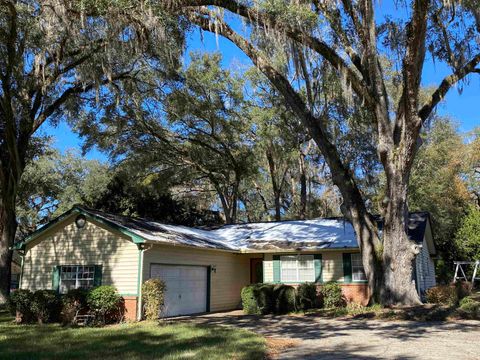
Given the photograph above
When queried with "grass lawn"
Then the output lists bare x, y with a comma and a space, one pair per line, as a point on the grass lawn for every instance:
145, 340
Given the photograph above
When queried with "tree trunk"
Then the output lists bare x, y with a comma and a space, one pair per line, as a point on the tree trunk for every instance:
275, 187
8, 226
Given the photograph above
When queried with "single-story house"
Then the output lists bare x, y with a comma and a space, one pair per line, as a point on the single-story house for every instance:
204, 270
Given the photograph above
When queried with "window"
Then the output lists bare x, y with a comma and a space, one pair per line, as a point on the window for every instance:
76, 276
297, 269
358, 274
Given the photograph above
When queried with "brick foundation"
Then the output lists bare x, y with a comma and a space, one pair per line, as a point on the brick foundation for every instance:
357, 293
130, 308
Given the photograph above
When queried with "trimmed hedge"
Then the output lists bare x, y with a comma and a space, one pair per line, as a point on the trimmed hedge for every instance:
19, 304
153, 297
261, 299
285, 299
257, 299
46, 306
469, 308
332, 295
106, 302
307, 296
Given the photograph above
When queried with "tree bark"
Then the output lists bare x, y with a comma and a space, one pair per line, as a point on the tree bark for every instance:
8, 227
275, 186
303, 187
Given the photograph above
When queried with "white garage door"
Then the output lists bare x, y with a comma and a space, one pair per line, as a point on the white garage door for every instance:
186, 288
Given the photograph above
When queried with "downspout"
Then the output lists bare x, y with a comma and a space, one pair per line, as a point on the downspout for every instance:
141, 251
22, 256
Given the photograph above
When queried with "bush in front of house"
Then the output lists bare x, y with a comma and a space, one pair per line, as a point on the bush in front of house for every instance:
442, 294
307, 296
73, 302
46, 306
332, 295
153, 297
285, 299
257, 299
20, 305
105, 302
469, 308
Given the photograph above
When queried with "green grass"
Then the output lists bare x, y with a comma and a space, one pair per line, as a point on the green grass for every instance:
145, 340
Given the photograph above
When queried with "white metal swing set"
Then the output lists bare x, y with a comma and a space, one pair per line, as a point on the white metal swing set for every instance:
460, 273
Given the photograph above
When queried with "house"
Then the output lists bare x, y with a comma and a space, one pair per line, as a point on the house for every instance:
204, 270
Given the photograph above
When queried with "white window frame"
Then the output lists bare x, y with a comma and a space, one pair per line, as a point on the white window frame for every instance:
298, 259
357, 267
75, 277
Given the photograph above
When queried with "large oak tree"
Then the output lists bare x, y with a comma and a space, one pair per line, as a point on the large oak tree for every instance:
355, 42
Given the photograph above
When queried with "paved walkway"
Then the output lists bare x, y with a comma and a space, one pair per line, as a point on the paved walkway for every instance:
321, 338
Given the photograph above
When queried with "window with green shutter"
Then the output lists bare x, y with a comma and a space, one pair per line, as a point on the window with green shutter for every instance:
67, 277
318, 268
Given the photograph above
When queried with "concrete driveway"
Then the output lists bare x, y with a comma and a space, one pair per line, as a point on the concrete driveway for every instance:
320, 338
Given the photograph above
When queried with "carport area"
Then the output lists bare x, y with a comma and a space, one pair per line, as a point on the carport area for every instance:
320, 338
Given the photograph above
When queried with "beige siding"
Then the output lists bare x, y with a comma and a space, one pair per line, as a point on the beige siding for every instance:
233, 270
332, 266
92, 245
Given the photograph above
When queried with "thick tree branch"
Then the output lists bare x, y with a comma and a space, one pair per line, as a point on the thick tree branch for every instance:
267, 21
446, 85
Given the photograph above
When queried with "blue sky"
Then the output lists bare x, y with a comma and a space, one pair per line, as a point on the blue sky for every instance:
463, 107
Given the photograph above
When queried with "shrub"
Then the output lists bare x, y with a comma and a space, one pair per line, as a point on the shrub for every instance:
153, 292
332, 295
284, 299
74, 301
257, 299
442, 294
46, 305
106, 302
20, 304
463, 289
469, 308
307, 296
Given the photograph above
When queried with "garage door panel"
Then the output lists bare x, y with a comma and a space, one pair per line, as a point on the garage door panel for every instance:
186, 291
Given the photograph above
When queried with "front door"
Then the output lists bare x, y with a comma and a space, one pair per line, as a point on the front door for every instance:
256, 270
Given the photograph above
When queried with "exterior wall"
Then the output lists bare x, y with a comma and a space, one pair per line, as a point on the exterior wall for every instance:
232, 270
130, 303
65, 244
425, 269
268, 268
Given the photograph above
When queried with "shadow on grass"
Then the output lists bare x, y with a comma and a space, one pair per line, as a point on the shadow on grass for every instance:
147, 340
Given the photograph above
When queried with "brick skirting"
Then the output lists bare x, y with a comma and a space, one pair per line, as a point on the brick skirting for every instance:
130, 303
357, 293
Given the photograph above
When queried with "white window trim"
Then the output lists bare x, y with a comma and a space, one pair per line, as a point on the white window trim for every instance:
297, 268
77, 279
352, 268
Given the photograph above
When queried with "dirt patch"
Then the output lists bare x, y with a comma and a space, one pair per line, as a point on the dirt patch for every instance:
276, 346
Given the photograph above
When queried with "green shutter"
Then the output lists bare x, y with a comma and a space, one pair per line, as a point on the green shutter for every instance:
97, 278
276, 268
209, 286
318, 267
56, 278
347, 267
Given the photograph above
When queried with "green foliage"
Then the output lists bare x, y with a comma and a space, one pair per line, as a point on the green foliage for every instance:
444, 157
307, 296
46, 306
442, 294
285, 299
153, 296
104, 300
20, 305
468, 235
73, 301
257, 299
332, 295
469, 308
